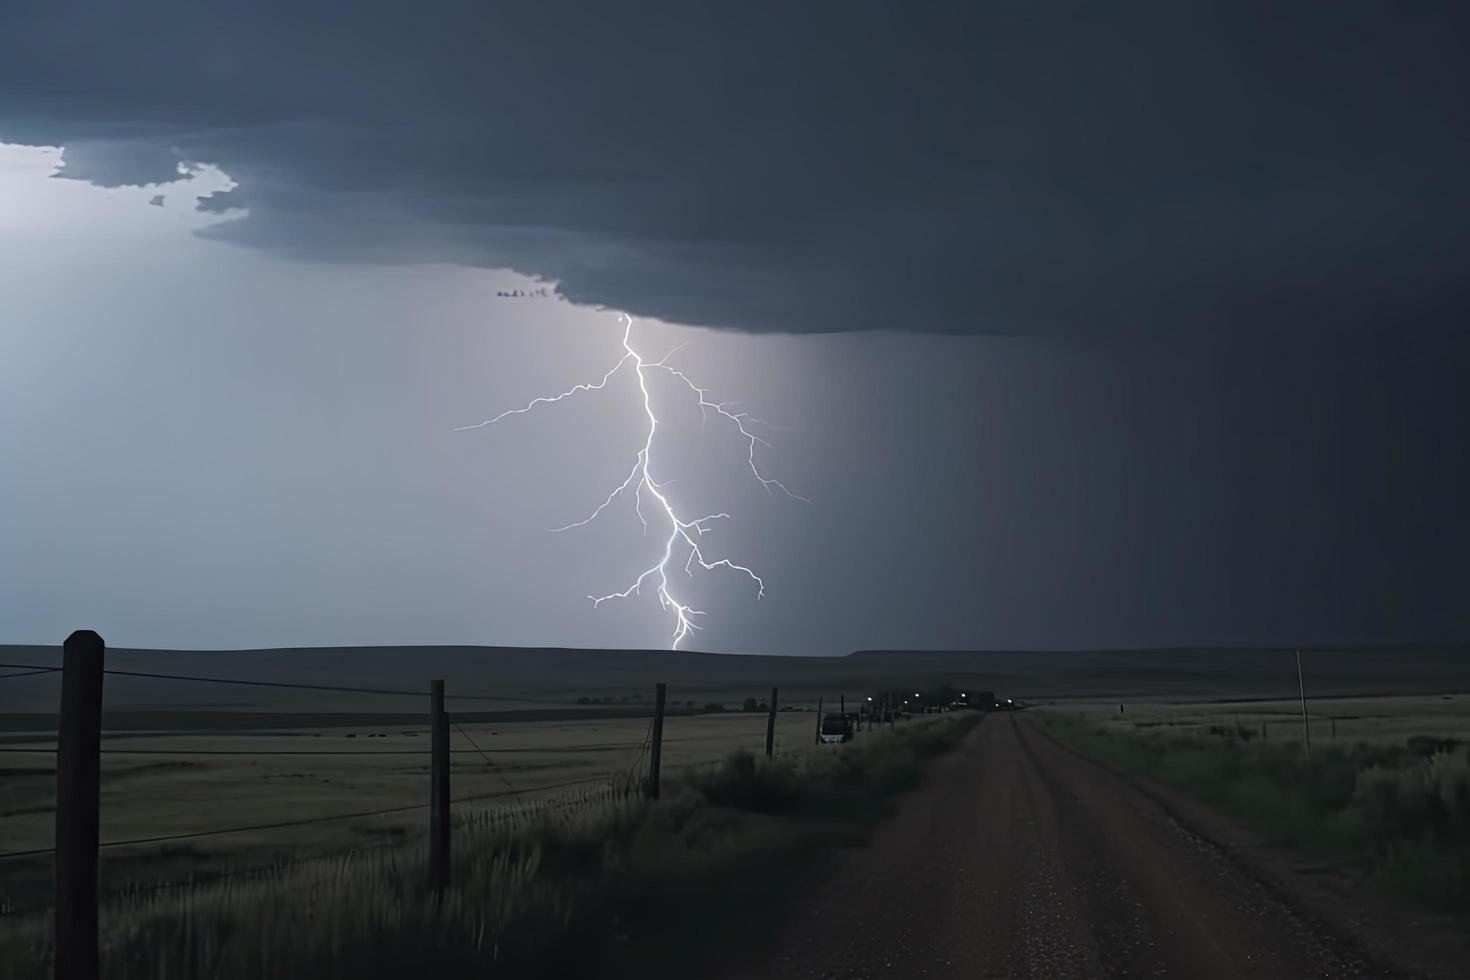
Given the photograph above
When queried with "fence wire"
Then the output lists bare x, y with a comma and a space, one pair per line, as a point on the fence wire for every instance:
281, 824
617, 783
290, 685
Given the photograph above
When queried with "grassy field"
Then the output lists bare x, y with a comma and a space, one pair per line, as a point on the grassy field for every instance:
546, 890
1383, 720
165, 784
501, 676
1389, 793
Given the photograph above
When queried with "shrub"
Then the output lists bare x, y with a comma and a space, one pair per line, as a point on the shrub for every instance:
1402, 813
742, 783
1429, 745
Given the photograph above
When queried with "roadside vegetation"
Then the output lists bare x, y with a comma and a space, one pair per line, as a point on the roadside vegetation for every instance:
550, 891
1398, 811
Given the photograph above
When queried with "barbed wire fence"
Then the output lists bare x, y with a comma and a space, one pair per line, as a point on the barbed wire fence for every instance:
76, 846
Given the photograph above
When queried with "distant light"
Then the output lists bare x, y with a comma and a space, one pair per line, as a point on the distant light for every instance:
964, 695
870, 699
916, 694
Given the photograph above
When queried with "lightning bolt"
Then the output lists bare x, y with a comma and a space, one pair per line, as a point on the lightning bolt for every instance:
684, 534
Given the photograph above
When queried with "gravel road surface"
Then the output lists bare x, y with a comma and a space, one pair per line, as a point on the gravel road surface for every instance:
1019, 859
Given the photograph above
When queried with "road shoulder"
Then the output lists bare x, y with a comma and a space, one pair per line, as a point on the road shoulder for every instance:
1332, 897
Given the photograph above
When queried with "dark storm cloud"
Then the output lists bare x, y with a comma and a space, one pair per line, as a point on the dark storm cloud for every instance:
999, 167
120, 163
218, 202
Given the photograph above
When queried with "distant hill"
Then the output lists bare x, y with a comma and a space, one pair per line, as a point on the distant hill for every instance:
534, 679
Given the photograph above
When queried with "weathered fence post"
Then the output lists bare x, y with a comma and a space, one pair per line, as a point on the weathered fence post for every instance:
656, 750
819, 722
438, 786
78, 784
771, 726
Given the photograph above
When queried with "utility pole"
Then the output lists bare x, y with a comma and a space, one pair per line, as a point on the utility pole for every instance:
1302, 689
819, 722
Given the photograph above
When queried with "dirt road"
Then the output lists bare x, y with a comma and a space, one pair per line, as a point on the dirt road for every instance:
1018, 859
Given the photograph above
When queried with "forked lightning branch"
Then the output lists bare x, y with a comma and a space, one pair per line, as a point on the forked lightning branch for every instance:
682, 548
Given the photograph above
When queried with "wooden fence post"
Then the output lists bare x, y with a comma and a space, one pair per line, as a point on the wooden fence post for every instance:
771, 726
819, 722
656, 750
438, 786
78, 785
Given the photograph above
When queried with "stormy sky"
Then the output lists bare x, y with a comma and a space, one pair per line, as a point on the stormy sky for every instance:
1083, 324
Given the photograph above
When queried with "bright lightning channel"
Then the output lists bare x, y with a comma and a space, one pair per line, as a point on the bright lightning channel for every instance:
684, 534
